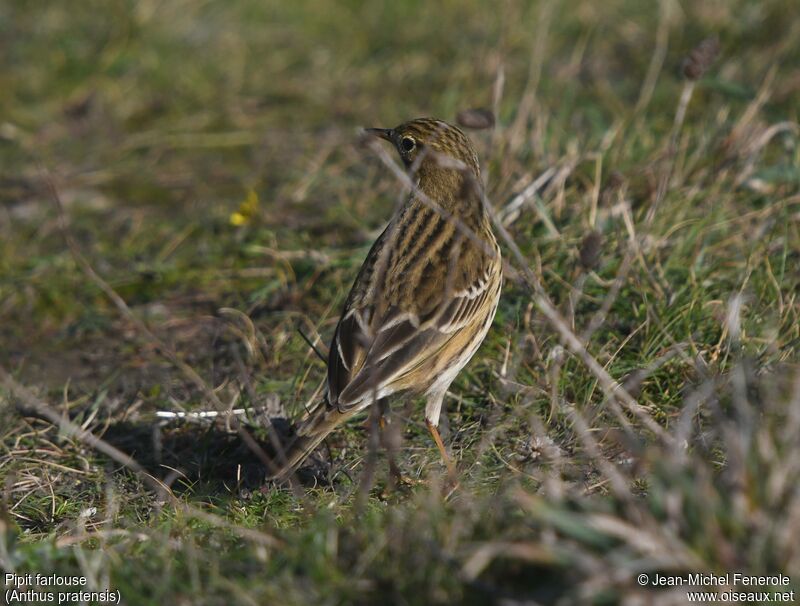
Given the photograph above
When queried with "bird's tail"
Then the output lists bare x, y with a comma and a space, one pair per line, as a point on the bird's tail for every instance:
313, 430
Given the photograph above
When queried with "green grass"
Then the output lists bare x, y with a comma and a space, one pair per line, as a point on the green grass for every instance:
160, 121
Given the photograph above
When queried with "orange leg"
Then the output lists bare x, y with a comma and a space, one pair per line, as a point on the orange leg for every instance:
451, 469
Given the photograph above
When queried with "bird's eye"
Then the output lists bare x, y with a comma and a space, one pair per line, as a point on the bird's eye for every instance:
408, 144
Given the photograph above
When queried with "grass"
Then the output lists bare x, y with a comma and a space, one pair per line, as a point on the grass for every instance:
208, 161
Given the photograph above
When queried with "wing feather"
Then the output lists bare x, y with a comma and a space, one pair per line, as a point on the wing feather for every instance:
403, 342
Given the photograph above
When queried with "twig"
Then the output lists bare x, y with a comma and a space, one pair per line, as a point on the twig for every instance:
511, 210
657, 58
310, 343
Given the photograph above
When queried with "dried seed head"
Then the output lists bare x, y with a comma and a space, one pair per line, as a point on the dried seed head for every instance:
476, 119
589, 253
700, 59
615, 180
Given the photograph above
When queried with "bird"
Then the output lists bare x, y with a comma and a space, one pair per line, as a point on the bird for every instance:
424, 298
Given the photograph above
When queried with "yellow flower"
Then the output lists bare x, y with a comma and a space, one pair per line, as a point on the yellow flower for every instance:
247, 210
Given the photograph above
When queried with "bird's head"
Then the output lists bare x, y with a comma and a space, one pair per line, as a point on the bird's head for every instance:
428, 144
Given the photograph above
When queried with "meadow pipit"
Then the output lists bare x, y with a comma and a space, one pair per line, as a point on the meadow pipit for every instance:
425, 296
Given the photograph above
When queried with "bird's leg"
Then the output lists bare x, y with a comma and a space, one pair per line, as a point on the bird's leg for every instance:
388, 441
433, 410
451, 469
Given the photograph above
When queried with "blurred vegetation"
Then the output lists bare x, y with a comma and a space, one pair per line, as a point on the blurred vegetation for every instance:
208, 159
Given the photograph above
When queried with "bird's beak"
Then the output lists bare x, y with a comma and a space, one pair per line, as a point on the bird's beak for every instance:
383, 133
